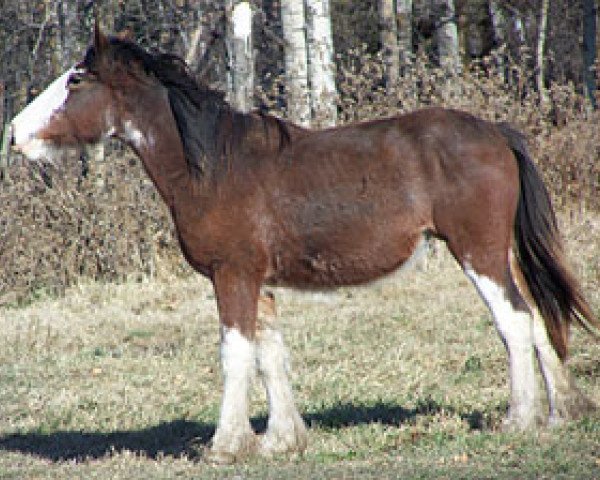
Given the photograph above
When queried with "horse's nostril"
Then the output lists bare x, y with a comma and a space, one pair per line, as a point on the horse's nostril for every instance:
11, 136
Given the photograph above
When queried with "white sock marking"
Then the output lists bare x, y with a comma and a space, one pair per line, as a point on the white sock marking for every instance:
554, 372
238, 362
285, 427
516, 329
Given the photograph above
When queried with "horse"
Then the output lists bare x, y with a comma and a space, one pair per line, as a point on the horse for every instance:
257, 200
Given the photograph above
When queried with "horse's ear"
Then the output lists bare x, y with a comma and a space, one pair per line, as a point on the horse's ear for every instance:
100, 40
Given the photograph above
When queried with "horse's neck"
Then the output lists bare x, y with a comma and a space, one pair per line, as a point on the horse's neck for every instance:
158, 146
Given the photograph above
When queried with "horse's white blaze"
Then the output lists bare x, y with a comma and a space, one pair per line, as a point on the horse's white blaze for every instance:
285, 428
516, 329
238, 360
35, 116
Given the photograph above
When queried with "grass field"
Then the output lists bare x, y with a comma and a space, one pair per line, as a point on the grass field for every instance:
402, 379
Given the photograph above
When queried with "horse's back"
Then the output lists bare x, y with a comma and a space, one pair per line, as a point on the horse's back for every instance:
351, 204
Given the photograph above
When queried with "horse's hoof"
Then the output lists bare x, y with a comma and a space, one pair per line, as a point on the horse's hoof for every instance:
518, 424
574, 406
218, 457
294, 439
227, 453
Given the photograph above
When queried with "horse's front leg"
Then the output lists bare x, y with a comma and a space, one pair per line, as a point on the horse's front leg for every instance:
285, 431
237, 297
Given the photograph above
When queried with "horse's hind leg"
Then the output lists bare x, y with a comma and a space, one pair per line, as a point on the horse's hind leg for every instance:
565, 401
484, 258
514, 324
285, 429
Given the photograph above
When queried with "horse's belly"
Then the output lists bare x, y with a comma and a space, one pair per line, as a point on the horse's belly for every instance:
356, 259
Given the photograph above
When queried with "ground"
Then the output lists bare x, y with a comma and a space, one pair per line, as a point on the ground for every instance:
402, 379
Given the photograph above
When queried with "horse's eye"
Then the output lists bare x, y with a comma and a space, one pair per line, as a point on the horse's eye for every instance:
75, 79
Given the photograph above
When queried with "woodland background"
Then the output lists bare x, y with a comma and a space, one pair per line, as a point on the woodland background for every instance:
97, 215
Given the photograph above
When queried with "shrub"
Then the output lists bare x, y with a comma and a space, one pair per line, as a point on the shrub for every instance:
110, 224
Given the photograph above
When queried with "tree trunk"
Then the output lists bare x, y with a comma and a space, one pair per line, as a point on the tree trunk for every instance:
589, 49
499, 31
241, 58
519, 29
389, 40
498, 23
65, 33
404, 17
4, 136
539, 55
296, 63
321, 65
106, 12
475, 29
447, 36
197, 46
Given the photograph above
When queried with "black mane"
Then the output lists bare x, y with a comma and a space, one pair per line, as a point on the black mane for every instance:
200, 112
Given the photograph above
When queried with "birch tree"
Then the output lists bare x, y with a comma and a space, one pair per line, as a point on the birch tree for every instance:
539, 53
293, 22
404, 17
4, 136
389, 40
589, 48
447, 36
498, 22
321, 65
64, 16
196, 46
241, 60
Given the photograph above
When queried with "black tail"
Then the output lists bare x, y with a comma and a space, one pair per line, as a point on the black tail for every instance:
539, 251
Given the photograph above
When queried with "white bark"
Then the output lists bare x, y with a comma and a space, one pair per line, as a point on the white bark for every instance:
296, 61
447, 36
241, 60
389, 40
541, 44
4, 136
321, 65
197, 46
404, 18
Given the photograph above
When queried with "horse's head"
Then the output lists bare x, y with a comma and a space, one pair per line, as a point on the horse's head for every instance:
82, 106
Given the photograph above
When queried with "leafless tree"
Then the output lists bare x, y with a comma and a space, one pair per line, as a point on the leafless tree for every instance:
539, 53
404, 16
293, 21
389, 40
321, 64
589, 21
241, 59
447, 35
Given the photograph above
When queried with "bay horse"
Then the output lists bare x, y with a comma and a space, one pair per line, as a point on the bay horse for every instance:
257, 200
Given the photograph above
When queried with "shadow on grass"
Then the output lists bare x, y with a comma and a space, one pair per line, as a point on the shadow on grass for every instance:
347, 414
168, 438
184, 437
